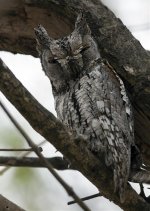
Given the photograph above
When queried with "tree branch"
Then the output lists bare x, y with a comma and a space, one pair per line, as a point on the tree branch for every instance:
17, 150
60, 163
6, 205
73, 148
57, 162
86, 198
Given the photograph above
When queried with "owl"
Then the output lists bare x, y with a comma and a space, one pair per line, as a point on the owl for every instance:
90, 98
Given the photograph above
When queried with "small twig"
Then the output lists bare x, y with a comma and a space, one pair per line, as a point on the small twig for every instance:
22, 155
68, 189
86, 198
22, 150
142, 190
39, 145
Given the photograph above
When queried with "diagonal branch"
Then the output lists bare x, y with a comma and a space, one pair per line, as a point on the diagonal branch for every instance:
6, 205
86, 198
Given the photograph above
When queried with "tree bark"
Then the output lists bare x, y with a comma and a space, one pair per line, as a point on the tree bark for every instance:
6, 205
117, 45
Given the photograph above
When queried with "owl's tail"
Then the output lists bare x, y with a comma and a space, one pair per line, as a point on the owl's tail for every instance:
120, 181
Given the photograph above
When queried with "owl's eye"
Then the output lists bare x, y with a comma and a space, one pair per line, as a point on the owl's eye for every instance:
52, 61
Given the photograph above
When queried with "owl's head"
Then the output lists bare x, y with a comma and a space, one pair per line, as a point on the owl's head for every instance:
66, 59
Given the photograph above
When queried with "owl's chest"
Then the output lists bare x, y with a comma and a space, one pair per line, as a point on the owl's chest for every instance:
92, 96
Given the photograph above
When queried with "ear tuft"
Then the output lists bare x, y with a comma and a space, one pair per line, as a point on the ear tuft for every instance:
42, 36
81, 25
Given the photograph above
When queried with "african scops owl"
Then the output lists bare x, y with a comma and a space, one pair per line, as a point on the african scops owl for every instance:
90, 97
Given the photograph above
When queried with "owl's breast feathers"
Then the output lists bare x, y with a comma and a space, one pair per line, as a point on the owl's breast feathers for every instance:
97, 107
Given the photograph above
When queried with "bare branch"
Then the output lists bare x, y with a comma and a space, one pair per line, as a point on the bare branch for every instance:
86, 198
21, 156
60, 163
19, 150
6, 205
57, 162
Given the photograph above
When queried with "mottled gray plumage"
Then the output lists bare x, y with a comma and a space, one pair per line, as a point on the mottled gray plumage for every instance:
90, 97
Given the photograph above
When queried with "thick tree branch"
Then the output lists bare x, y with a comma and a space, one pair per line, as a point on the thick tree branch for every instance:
6, 205
73, 148
123, 51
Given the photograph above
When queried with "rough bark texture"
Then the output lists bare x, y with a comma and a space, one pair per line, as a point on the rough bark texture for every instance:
6, 205
123, 51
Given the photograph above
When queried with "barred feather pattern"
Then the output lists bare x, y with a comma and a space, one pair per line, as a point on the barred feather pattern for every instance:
90, 97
